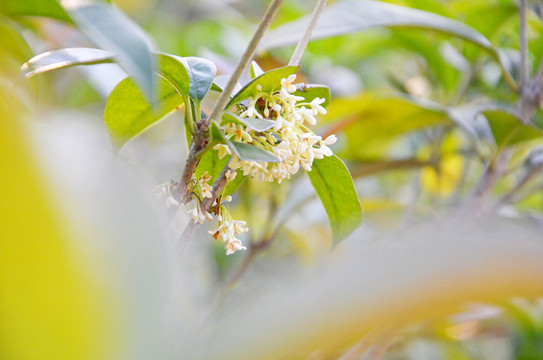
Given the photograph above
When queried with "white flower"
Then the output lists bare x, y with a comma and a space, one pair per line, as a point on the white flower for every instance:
234, 245
227, 231
316, 106
223, 150
165, 192
286, 84
230, 175
204, 186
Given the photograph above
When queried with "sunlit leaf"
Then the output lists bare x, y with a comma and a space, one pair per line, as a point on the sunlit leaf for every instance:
58, 59
370, 122
113, 31
46, 8
127, 111
509, 130
334, 186
270, 81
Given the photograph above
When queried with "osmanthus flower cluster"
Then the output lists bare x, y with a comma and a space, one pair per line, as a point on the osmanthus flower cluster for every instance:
290, 140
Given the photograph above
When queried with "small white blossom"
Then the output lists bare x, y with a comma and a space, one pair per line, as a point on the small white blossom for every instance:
223, 150
165, 192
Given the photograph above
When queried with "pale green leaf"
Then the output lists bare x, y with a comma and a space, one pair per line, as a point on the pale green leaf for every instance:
46, 8
58, 59
334, 186
250, 152
128, 113
253, 124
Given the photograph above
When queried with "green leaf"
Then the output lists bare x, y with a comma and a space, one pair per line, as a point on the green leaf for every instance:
312, 91
250, 152
46, 8
270, 81
334, 186
220, 82
127, 112
253, 124
201, 73
58, 59
371, 122
113, 31
345, 17
508, 129
255, 70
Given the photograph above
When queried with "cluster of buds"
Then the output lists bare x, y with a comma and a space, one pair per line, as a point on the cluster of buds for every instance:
228, 227
199, 189
290, 140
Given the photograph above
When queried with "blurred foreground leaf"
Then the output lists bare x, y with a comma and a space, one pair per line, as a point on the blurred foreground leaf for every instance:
334, 185
46, 8
62, 58
113, 31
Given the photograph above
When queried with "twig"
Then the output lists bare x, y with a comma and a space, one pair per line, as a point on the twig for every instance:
302, 43
524, 65
199, 140
510, 196
490, 177
191, 227
377, 167
245, 59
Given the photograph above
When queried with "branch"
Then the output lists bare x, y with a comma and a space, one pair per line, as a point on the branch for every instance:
302, 43
199, 140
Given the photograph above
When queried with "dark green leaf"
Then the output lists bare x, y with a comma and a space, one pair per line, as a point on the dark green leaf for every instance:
312, 91
270, 81
46, 8
251, 152
58, 59
113, 31
334, 186
253, 124
127, 112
